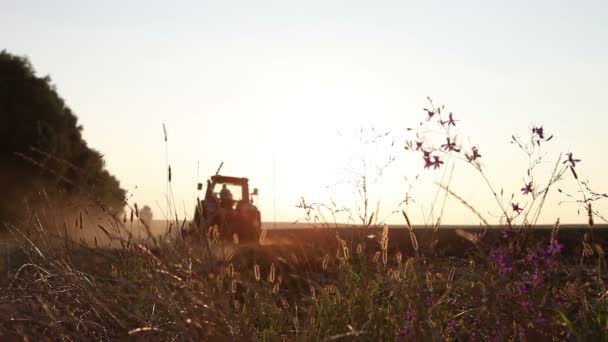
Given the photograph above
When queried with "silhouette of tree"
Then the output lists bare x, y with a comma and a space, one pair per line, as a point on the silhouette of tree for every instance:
41, 146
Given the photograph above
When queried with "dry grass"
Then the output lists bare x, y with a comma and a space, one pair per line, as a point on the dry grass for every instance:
506, 283
68, 290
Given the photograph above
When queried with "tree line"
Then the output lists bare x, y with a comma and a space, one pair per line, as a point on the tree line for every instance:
43, 155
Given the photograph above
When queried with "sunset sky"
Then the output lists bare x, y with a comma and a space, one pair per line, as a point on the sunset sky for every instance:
276, 90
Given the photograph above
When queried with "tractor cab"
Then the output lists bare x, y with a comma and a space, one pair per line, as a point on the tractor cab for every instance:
229, 205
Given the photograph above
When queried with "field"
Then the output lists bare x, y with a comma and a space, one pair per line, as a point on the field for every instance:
121, 276
311, 284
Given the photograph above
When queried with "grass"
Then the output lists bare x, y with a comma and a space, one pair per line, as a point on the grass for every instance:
513, 282
503, 289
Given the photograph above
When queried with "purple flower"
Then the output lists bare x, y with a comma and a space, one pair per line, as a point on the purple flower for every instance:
507, 233
450, 145
527, 189
450, 327
474, 155
554, 247
539, 131
501, 260
430, 114
405, 331
450, 121
427, 159
535, 258
571, 160
521, 334
407, 328
436, 162
419, 145
540, 319
537, 278
516, 208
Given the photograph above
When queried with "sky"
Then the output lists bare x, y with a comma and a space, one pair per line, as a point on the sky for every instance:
278, 89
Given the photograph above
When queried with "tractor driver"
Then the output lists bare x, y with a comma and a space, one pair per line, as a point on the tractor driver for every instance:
226, 197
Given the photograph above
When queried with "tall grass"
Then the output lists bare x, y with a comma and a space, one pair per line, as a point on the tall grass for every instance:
508, 284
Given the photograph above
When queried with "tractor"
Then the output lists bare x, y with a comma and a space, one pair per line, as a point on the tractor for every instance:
229, 206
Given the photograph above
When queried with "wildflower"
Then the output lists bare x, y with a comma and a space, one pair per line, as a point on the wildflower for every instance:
554, 247
450, 146
539, 131
450, 121
419, 145
475, 154
429, 301
407, 328
537, 278
450, 327
571, 160
427, 159
521, 334
536, 258
501, 260
436, 162
430, 114
507, 233
516, 208
540, 319
527, 189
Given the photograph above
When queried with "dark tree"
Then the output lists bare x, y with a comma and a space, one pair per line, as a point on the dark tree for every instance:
41, 147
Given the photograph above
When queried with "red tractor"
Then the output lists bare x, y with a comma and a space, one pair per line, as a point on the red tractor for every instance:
229, 206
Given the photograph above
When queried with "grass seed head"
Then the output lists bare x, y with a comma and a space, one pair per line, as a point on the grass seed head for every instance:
414, 241
451, 277
263, 236
376, 256
271, 273
256, 272
229, 256
346, 252
294, 258
472, 238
